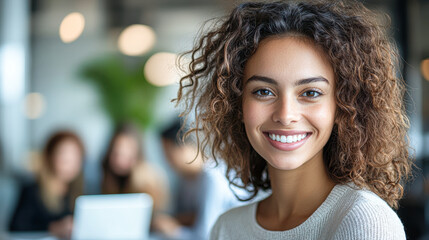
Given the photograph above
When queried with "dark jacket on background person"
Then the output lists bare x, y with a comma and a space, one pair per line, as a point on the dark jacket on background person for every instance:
31, 214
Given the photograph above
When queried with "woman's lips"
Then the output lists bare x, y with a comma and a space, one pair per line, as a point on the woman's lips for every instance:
287, 141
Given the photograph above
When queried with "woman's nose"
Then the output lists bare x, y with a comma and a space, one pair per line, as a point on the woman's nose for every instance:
286, 111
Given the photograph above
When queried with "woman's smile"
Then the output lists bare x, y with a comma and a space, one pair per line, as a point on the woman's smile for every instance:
287, 140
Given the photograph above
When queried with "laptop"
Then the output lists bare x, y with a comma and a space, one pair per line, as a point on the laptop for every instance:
112, 216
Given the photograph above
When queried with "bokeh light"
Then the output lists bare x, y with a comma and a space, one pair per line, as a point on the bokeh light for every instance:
425, 68
34, 105
136, 40
161, 70
72, 27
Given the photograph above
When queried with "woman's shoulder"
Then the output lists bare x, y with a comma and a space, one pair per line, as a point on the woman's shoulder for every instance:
363, 199
238, 213
353, 194
235, 220
365, 215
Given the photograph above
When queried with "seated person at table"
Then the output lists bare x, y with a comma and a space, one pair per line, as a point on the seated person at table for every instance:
125, 170
202, 193
47, 204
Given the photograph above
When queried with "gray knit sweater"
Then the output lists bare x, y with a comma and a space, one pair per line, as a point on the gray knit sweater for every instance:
347, 213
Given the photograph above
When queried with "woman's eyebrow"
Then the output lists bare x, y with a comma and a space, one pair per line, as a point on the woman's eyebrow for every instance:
311, 80
262, 79
297, 83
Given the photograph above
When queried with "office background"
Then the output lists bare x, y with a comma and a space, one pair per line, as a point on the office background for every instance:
50, 81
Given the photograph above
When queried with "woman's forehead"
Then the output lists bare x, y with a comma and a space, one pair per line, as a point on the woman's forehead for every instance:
289, 57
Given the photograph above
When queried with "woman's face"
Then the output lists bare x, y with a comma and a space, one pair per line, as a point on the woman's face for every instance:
124, 155
67, 160
288, 101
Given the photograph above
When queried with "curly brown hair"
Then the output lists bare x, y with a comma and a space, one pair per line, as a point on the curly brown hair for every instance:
368, 145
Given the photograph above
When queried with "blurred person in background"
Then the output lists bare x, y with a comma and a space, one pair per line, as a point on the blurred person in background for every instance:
47, 204
203, 192
126, 171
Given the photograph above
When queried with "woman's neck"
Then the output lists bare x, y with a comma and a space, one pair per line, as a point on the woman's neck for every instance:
296, 194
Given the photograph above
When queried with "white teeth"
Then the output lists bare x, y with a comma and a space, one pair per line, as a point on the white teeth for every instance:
287, 139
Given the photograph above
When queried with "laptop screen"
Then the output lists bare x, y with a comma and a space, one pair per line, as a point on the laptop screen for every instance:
112, 216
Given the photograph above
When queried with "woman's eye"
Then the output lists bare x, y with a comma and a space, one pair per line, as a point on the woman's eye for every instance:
263, 92
311, 94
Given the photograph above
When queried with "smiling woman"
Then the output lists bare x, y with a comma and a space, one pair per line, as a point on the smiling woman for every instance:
302, 99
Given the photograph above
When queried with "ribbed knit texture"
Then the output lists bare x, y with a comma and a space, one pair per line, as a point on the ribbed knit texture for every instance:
347, 213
